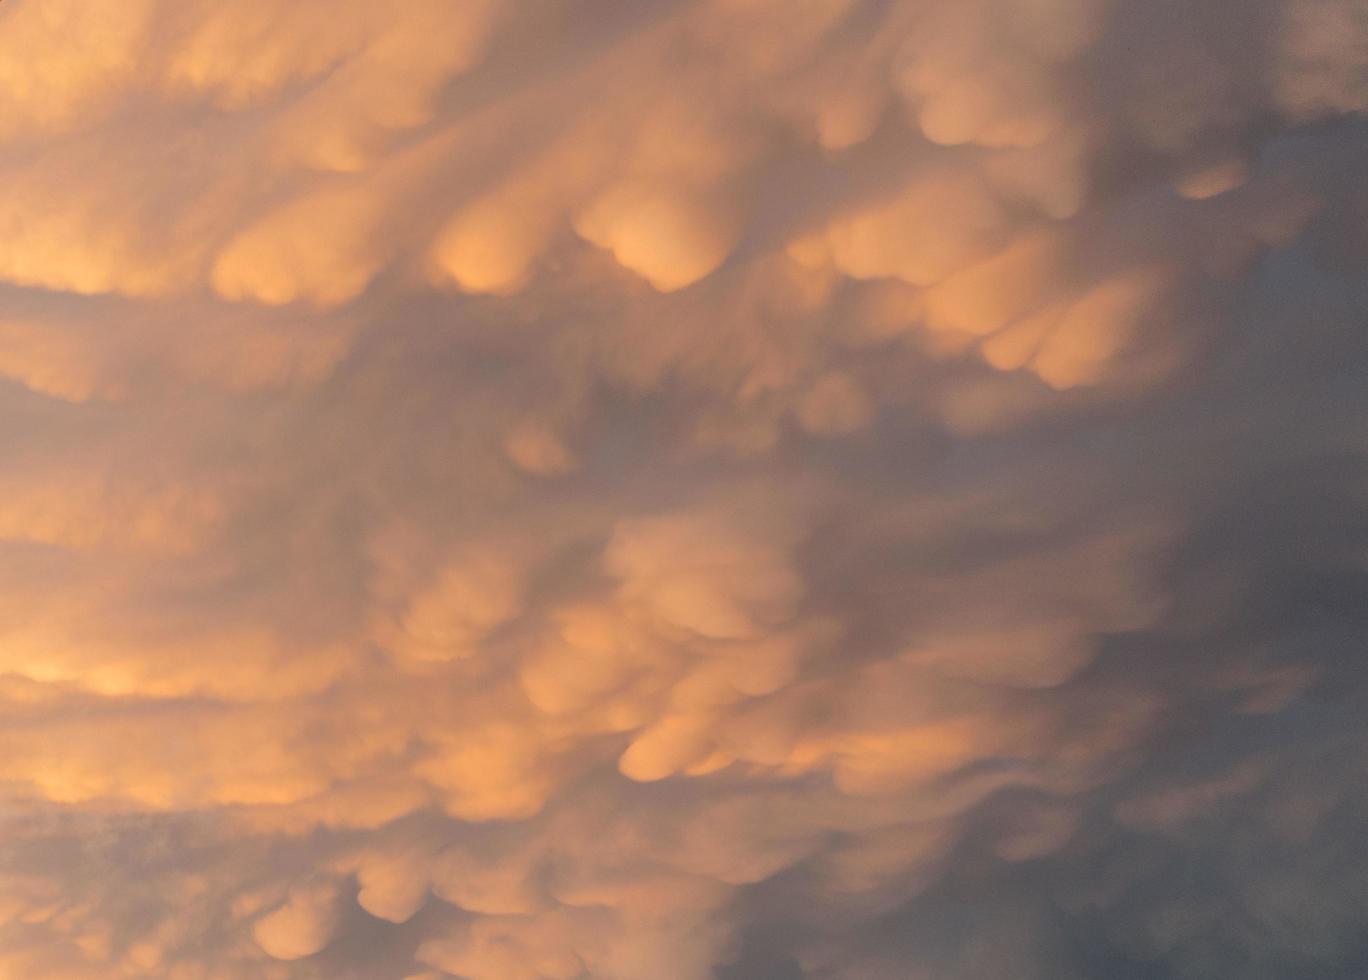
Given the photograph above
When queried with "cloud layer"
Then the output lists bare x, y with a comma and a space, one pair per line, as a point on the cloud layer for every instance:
683, 489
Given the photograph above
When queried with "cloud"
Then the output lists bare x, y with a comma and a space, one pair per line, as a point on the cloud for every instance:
681, 489
300, 927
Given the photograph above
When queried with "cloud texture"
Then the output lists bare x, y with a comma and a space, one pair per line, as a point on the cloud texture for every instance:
683, 489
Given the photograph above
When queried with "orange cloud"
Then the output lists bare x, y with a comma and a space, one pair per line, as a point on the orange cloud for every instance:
609, 491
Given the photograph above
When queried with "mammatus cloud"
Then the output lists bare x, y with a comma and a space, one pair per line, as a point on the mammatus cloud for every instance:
682, 489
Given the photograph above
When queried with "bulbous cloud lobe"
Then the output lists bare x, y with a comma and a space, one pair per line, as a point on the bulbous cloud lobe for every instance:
683, 489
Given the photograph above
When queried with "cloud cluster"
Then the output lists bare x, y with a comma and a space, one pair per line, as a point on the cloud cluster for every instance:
682, 489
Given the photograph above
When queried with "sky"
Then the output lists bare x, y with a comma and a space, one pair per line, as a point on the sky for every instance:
683, 489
